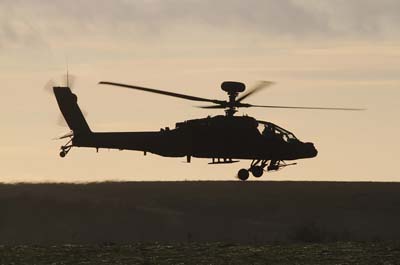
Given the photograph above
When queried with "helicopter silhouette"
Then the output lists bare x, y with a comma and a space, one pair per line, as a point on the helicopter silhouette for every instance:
223, 138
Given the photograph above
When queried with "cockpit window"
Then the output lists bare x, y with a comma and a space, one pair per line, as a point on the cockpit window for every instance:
273, 131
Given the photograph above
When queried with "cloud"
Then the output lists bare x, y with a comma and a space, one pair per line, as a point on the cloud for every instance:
16, 30
26, 22
358, 18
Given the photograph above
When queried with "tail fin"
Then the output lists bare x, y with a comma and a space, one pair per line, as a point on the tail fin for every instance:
68, 104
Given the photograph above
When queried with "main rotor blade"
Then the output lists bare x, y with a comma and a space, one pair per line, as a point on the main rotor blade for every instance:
213, 107
172, 94
310, 108
259, 86
245, 105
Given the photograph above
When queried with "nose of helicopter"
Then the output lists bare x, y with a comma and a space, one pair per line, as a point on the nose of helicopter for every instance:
310, 150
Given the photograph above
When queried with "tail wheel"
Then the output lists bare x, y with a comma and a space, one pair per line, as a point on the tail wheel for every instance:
243, 174
64, 150
257, 171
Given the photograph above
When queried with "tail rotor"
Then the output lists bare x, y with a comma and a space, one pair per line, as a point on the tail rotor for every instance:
66, 80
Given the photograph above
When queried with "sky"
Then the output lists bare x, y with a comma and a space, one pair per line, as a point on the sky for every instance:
336, 53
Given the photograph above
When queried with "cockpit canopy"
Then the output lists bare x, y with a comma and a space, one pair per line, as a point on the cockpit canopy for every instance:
273, 131
239, 126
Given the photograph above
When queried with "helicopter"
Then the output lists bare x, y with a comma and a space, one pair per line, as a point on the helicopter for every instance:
224, 139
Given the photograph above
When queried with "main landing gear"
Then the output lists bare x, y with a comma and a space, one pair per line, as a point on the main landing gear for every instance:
257, 168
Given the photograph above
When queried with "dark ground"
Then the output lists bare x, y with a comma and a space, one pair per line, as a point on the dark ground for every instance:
200, 223
248, 213
202, 253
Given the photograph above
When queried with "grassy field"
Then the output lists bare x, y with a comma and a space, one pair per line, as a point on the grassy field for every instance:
209, 223
247, 213
211, 253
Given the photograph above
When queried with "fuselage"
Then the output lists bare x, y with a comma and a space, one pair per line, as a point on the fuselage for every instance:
213, 137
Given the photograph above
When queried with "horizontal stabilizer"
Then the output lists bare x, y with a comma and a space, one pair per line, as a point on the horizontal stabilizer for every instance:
67, 135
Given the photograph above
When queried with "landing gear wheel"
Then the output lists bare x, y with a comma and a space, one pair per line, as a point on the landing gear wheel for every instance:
257, 171
63, 154
243, 174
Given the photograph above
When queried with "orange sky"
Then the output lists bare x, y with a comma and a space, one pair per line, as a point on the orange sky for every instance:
322, 53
